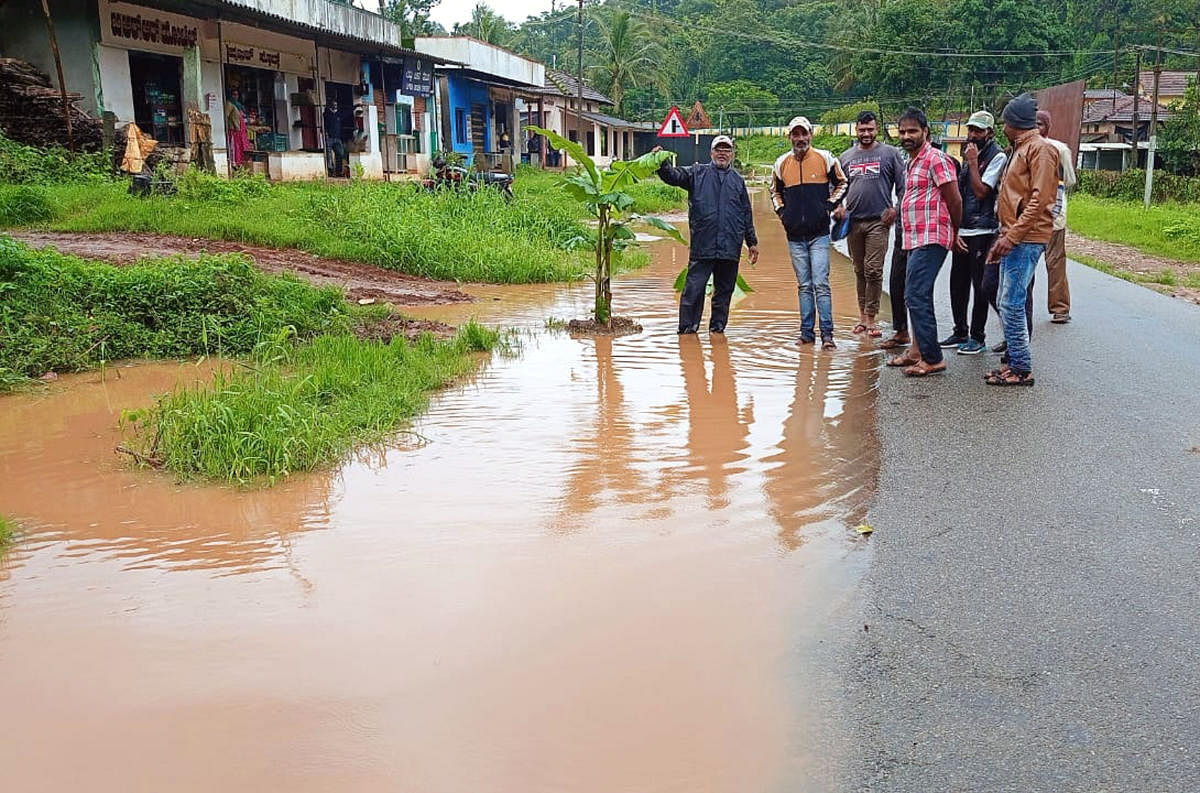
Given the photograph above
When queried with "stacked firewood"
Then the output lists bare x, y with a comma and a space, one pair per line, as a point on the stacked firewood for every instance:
31, 110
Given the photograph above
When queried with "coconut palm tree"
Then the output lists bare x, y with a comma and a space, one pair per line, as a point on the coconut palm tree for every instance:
627, 56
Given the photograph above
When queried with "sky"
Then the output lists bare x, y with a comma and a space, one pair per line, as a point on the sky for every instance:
450, 11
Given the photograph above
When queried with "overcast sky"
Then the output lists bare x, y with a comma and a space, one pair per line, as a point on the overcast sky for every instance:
450, 11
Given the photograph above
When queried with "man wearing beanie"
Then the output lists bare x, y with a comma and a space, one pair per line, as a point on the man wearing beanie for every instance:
1025, 208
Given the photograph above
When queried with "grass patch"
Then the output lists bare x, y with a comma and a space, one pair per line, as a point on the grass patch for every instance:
63, 314
299, 408
8, 532
446, 235
1170, 230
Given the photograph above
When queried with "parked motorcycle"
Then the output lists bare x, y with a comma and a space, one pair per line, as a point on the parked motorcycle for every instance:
455, 177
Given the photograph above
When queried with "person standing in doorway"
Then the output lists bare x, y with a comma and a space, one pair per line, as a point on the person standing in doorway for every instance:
876, 173
720, 220
807, 184
1058, 291
929, 215
983, 163
1025, 207
235, 129
335, 146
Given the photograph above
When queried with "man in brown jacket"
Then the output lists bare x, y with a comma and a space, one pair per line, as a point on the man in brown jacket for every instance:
1025, 208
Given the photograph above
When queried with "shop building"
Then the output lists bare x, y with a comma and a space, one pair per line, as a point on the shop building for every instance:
275, 65
605, 137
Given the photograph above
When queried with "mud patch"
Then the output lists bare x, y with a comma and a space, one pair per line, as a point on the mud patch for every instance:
1125, 259
617, 326
387, 328
360, 281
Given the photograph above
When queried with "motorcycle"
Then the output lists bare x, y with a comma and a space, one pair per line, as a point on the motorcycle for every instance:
455, 177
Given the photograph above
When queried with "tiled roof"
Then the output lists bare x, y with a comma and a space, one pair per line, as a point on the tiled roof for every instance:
563, 84
1169, 83
1103, 93
1097, 112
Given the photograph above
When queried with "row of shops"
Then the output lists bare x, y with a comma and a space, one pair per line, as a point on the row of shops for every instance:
301, 89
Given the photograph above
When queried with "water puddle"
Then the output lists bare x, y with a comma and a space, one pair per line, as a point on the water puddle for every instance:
611, 568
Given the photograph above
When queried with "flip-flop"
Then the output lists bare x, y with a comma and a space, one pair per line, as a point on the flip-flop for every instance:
894, 344
923, 369
1010, 378
874, 332
902, 360
859, 328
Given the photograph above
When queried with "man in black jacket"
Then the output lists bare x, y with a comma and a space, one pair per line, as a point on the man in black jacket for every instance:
720, 220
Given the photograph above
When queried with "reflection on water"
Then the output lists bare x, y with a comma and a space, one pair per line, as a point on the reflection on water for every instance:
610, 568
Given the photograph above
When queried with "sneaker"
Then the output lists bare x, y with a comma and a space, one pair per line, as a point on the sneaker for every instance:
1060, 319
951, 341
827, 343
971, 347
1001, 347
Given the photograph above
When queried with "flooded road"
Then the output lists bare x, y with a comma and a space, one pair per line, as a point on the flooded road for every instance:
613, 565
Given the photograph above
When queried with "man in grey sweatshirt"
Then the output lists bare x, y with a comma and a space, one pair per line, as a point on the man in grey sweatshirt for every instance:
876, 173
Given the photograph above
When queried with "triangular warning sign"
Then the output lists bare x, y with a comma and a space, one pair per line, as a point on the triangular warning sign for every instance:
698, 119
673, 126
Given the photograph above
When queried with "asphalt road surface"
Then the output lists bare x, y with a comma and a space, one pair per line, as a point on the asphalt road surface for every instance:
1031, 616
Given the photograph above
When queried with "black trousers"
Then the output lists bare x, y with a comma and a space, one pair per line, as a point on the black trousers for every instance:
691, 302
966, 273
991, 285
896, 286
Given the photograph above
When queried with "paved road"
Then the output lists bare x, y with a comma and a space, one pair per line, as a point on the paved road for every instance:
1033, 601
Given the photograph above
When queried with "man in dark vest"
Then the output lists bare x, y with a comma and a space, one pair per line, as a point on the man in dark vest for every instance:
982, 165
720, 220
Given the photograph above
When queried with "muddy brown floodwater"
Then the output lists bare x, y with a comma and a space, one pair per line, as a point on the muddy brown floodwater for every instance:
617, 565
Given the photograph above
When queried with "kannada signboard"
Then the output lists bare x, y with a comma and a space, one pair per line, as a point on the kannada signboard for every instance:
140, 28
263, 58
418, 77
673, 126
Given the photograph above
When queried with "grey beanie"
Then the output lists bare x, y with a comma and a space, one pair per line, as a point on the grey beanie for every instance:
1021, 112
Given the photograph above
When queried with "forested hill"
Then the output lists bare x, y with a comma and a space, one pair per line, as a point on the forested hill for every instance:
763, 60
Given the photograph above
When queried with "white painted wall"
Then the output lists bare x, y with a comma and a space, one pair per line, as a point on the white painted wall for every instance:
483, 57
115, 83
210, 83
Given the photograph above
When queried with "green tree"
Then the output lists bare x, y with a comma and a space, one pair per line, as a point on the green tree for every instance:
744, 102
1179, 141
412, 16
486, 25
626, 56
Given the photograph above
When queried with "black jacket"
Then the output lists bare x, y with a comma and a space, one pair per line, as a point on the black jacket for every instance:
719, 217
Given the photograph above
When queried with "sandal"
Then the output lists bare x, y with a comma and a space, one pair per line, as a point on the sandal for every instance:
1001, 372
1010, 378
859, 328
922, 369
903, 360
874, 332
895, 343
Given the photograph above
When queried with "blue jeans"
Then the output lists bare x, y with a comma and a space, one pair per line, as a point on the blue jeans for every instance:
810, 261
1016, 273
923, 266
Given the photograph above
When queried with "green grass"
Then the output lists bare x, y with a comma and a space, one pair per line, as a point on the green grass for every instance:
445, 235
300, 408
1190, 279
8, 532
1169, 230
63, 314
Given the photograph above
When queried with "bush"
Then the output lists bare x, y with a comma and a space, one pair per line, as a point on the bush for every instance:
23, 205
59, 313
1130, 185
21, 164
196, 185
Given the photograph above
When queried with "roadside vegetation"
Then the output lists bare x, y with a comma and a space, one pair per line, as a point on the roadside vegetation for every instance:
765, 149
8, 532
463, 236
1168, 230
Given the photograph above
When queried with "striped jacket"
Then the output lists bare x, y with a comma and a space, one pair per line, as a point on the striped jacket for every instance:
804, 192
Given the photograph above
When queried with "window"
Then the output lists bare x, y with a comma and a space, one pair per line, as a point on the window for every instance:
460, 125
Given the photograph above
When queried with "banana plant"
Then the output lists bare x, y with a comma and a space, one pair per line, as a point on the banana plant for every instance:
603, 192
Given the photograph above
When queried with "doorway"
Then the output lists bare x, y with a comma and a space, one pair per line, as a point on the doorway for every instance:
157, 109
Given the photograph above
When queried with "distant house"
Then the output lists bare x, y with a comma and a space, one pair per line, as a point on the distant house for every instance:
1092, 95
1171, 85
605, 137
1111, 121
479, 97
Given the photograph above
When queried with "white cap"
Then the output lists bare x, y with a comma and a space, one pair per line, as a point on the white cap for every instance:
717, 141
799, 121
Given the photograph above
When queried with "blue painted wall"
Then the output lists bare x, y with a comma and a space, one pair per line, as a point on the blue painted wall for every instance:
464, 93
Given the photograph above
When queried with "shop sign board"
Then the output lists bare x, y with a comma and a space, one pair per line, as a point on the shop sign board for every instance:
264, 58
418, 77
140, 28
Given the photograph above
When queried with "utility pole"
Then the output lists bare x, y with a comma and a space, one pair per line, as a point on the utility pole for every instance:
579, 81
1153, 123
62, 86
1137, 91
1116, 63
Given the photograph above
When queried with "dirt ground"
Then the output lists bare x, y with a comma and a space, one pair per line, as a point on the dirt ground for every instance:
1129, 259
360, 281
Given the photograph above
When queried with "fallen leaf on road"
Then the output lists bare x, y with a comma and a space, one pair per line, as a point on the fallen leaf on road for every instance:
864, 528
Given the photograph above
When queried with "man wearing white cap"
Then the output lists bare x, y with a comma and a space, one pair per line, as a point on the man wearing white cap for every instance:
807, 184
720, 220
